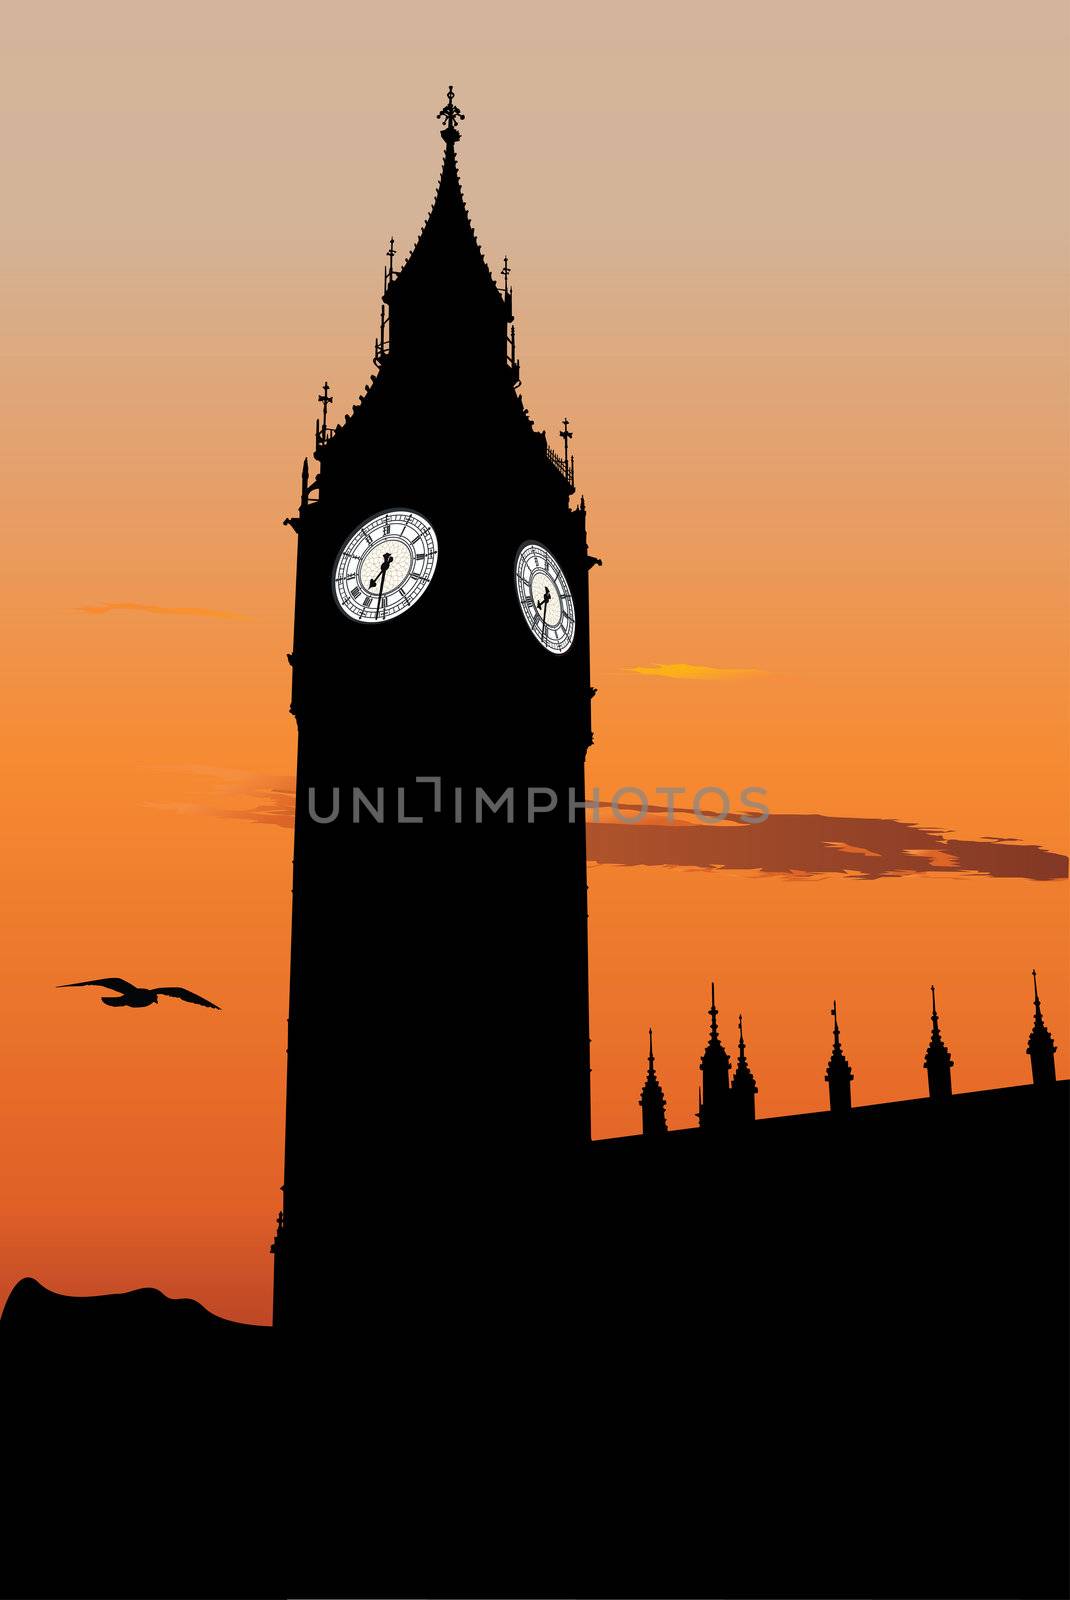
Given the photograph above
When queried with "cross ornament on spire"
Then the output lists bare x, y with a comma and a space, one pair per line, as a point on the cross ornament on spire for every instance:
505, 273
325, 399
451, 114
391, 253
566, 435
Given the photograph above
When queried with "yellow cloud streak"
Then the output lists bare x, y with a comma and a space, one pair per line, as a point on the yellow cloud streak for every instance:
684, 669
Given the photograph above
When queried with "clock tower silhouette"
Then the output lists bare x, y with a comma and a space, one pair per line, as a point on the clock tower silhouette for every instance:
438, 1054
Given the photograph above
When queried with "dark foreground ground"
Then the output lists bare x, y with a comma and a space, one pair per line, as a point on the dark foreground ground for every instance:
833, 1372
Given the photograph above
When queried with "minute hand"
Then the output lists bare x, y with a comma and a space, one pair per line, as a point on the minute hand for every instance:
381, 581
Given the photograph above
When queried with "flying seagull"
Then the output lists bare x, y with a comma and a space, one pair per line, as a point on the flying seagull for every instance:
130, 995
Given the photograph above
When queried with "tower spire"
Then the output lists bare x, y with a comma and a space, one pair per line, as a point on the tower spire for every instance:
1041, 1047
938, 1062
652, 1098
445, 304
716, 1073
838, 1075
744, 1087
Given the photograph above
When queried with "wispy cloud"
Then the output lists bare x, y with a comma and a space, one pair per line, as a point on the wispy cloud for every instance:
814, 845
236, 796
789, 844
685, 669
163, 611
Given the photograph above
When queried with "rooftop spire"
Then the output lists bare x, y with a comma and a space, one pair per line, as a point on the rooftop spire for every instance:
445, 303
1041, 1047
938, 1062
838, 1075
652, 1098
716, 1070
744, 1087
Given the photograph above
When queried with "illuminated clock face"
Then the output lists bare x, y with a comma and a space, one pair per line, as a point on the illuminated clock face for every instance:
545, 598
385, 566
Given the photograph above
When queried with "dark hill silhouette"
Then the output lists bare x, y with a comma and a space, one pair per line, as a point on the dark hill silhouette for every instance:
135, 1314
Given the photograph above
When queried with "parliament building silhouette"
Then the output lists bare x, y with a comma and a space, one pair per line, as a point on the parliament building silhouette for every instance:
723, 1288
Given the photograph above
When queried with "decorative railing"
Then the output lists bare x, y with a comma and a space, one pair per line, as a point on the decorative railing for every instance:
567, 469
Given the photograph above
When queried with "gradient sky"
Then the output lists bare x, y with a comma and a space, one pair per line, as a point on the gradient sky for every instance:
798, 277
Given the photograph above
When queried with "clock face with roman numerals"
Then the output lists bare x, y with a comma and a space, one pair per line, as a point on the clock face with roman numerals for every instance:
385, 566
545, 598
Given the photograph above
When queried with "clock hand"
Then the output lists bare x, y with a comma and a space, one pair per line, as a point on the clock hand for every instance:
543, 605
387, 559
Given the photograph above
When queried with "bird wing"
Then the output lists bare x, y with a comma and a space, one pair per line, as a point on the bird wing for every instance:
102, 983
188, 994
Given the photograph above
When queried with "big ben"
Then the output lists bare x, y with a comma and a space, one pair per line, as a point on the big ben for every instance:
438, 1012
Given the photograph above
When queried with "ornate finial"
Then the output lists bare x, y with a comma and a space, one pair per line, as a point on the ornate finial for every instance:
1036, 996
932, 991
835, 1023
713, 1002
391, 253
451, 115
566, 435
325, 399
505, 273
650, 1057
741, 1030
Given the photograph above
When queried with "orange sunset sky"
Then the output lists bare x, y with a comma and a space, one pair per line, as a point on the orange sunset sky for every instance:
797, 274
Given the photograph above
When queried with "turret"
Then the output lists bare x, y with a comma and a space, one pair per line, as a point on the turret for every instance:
716, 1070
1041, 1047
938, 1062
652, 1098
838, 1074
744, 1088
